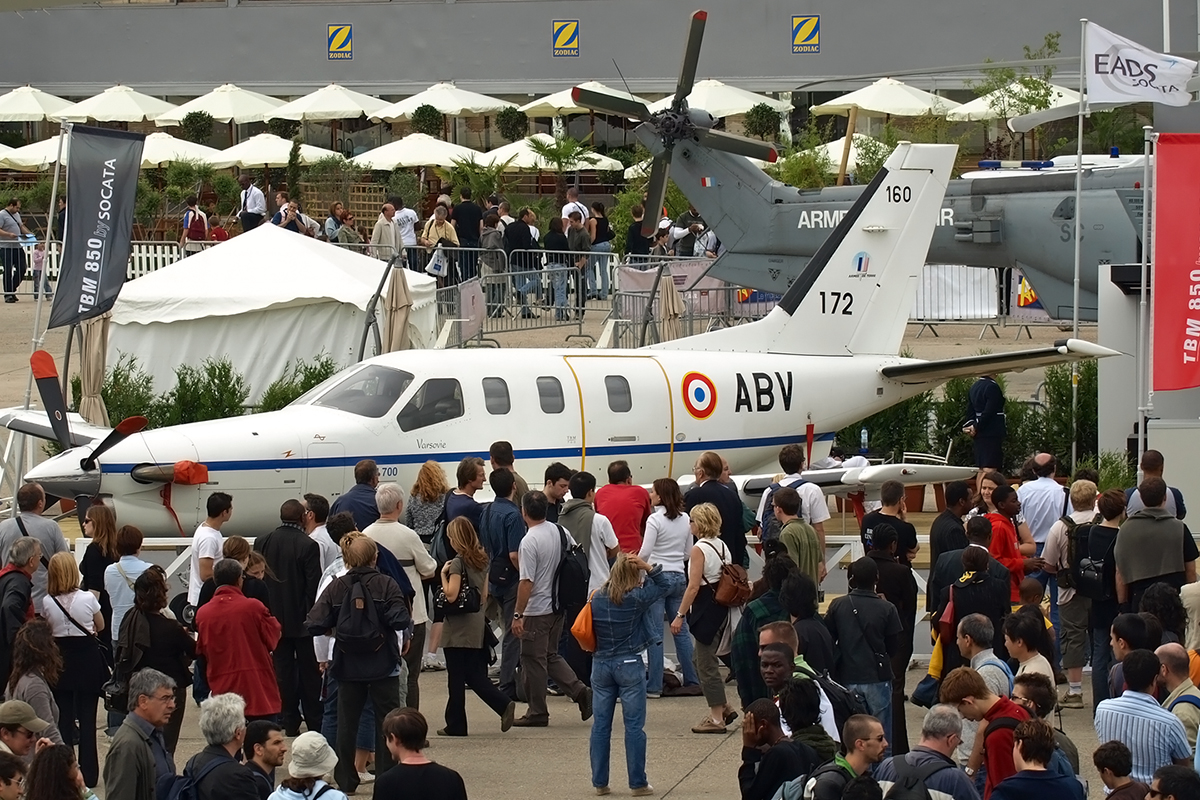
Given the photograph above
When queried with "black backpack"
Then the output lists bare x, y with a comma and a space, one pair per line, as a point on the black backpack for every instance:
910, 780
844, 702
360, 640
1090, 580
187, 785
1077, 548
571, 578
769, 527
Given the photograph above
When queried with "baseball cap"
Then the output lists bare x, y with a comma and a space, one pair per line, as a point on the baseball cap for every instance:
18, 712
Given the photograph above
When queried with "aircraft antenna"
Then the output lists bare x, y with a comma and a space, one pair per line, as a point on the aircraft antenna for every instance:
626, 83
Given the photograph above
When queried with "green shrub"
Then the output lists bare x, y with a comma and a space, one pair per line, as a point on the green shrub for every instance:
284, 128
1115, 467
297, 380
512, 123
128, 391
1060, 428
228, 192
197, 127
405, 183
212, 391
428, 120
762, 122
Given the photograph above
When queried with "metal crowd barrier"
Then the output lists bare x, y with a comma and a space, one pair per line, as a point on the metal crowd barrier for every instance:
704, 309
952, 293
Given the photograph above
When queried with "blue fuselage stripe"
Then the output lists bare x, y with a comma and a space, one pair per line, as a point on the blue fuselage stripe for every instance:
420, 457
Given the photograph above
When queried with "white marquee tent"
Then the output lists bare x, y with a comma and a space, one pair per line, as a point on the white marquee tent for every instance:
263, 299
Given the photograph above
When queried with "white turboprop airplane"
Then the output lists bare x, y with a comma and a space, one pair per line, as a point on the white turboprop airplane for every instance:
825, 356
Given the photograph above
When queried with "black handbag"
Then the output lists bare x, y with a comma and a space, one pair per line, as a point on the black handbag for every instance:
469, 600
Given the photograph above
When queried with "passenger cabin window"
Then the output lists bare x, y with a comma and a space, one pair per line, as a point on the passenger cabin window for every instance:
438, 400
550, 395
495, 396
369, 392
619, 398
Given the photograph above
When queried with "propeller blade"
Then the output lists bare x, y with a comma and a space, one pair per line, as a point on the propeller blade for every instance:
46, 375
125, 428
691, 55
610, 103
739, 145
656, 193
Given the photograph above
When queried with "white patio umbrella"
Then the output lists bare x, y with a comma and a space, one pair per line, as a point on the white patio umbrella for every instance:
269, 150
993, 104
446, 98
116, 104
34, 157
722, 100
835, 149
27, 104
887, 97
416, 150
332, 102
226, 103
523, 157
561, 103
163, 148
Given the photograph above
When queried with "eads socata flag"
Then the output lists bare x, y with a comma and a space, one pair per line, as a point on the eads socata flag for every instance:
1176, 284
102, 179
1120, 70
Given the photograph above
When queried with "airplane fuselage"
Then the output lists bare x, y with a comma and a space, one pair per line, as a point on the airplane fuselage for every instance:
656, 410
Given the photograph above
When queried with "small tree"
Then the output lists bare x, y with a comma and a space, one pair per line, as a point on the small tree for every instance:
333, 176
483, 179
293, 170
1017, 91
284, 128
762, 121
405, 184
512, 123
562, 155
228, 192
428, 120
197, 127
806, 165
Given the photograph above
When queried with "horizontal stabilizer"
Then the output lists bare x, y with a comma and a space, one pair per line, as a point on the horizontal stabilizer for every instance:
34, 422
1063, 351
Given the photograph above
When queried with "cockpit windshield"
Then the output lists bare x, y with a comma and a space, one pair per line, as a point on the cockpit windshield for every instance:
369, 392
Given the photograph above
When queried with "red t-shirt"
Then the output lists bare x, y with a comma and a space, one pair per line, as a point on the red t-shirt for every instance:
1004, 549
627, 507
998, 747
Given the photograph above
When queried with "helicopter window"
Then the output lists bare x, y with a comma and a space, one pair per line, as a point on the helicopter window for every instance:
1065, 209
438, 400
619, 398
369, 392
550, 395
495, 396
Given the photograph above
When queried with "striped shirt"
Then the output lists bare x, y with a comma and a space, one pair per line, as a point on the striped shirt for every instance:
1155, 736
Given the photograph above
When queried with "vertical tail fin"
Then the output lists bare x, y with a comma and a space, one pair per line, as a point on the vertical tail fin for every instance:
855, 294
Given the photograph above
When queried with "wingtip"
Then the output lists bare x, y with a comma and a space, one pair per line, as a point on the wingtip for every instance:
701, 15
773, 156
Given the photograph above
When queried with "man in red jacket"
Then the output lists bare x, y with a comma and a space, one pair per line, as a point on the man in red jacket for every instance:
237, 635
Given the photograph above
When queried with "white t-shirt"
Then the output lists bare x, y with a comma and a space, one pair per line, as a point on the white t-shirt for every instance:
330, 552
206, 543
1038, 664
575, 206
667, 541
603, 538
539, 557
406, 223
716, 555
814, 508
82, 606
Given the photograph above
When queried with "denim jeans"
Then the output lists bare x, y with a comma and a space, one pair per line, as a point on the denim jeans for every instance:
878, 697
1046, 579
558, 281
624, 677
365, 738
526, 285
683, 640
1102, 661
598, 264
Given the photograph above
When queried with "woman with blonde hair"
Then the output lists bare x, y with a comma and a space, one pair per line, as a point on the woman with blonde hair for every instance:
100, 525
619, 619
238, 548
425, 501
466, 636
75, 619
706, 618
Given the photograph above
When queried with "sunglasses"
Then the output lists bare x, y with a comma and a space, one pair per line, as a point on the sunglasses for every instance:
1156, 793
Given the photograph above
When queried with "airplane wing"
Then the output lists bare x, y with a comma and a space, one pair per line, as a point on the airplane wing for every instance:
832, 480
33, 421
1063, 351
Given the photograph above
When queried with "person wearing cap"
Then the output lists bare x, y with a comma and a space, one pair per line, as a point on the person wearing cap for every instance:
19, 729
312, 761
223, 725
138, 755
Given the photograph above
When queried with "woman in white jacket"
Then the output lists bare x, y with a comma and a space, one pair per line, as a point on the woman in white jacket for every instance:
311, 762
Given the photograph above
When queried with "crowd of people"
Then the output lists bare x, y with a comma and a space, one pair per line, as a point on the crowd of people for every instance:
327, 623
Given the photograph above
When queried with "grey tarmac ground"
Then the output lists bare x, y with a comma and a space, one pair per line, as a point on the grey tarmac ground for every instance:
553, 762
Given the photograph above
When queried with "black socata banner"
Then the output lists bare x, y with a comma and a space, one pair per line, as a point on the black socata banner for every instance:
102, 179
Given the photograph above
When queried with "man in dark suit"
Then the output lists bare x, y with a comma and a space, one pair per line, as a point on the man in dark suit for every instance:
709, 489
949, 564
985, 423
293, 572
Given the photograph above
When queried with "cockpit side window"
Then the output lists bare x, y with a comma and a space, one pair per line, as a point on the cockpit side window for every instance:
438, 400
369, 392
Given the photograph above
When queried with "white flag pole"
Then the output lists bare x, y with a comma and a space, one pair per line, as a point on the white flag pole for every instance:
1078, 235
1143, 351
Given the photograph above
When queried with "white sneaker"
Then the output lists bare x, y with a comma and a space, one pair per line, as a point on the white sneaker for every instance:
432, 662
366, 777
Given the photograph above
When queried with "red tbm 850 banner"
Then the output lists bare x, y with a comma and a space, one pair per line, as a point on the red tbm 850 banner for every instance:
102, 177
1176, 285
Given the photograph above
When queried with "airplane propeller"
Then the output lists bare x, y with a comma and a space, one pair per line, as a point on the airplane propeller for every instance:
125, 428
675, 123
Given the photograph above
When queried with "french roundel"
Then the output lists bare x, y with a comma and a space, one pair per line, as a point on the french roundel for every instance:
699, 395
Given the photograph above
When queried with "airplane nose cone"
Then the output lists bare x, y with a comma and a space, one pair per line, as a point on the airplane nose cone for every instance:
61, 476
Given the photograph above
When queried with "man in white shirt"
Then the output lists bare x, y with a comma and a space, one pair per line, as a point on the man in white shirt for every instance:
506, 218
1044, 502
536, 623
403, 542
316, 512
814, 508
573, 204
253, 208
207, 543
385, 240
594, 530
